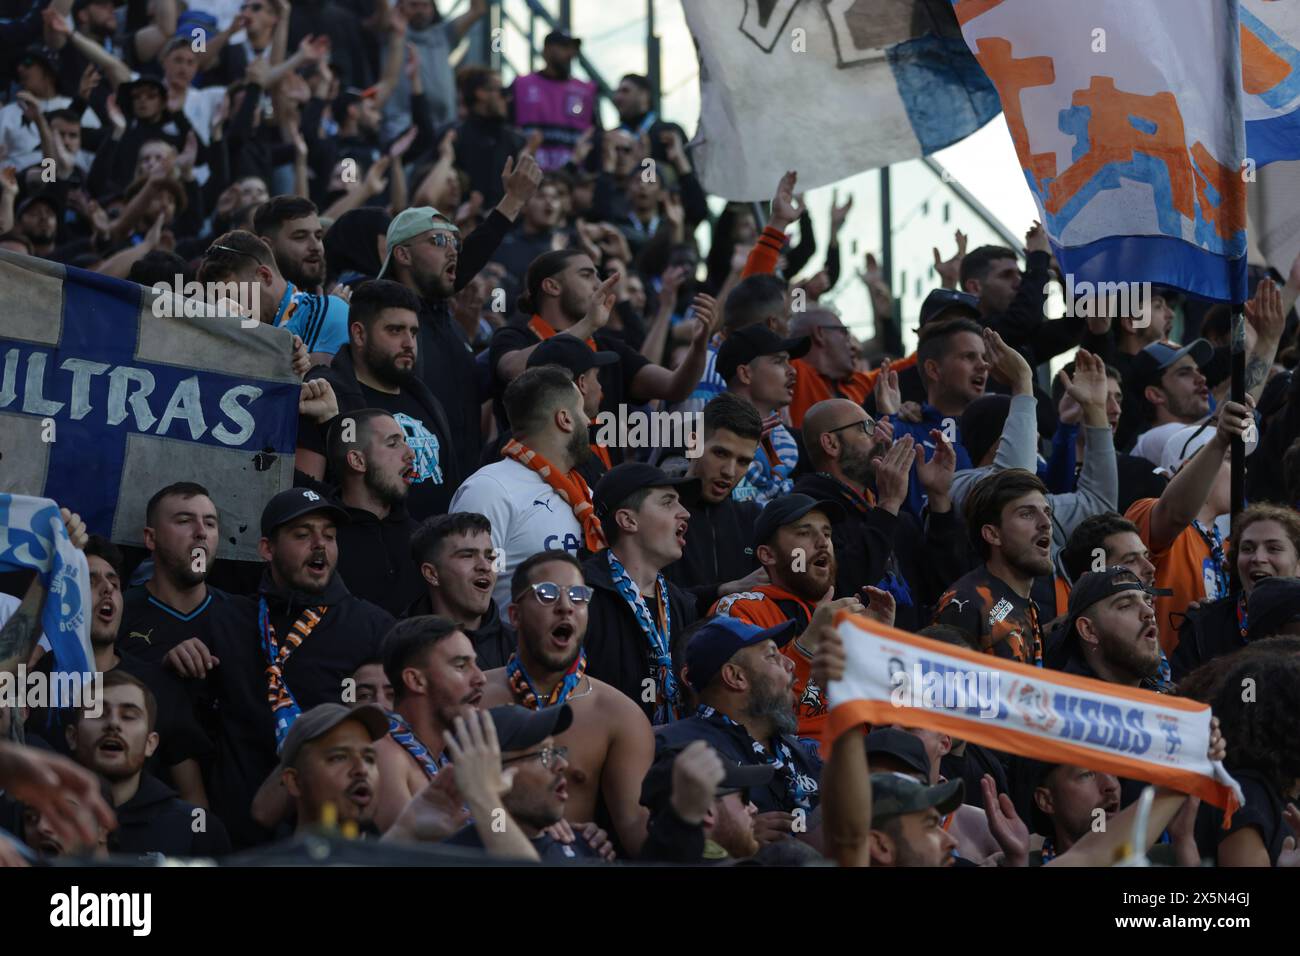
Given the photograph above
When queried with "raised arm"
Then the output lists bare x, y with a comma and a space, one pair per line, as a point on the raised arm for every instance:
1103, 848
462, 23
846, 776
1186, 492
114, 69
655, 381
394, 57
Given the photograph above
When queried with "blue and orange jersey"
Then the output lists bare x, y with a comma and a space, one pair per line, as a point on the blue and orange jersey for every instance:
999, 620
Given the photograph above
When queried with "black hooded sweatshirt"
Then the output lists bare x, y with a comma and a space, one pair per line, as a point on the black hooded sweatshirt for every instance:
871, 544
156, 820
350, 633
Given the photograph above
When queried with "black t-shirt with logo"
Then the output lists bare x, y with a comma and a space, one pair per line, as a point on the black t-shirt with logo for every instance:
150, 627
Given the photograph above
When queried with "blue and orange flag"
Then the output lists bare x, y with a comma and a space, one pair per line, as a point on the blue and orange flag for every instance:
1129, 119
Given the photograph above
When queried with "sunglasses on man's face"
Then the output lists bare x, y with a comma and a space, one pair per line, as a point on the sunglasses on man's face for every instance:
548, 592
443, 239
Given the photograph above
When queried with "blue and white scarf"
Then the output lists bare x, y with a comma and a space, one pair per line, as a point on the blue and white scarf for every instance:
32, 538
401, 732
776, 754
667, 696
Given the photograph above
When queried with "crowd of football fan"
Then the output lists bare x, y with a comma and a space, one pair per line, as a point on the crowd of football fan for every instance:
479, 623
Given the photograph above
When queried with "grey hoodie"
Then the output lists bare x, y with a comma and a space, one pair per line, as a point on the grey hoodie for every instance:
1098, 486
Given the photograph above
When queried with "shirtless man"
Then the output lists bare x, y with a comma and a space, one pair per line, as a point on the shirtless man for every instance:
431, 665
610, 744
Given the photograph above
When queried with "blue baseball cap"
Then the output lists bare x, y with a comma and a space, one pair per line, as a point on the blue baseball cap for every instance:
1150, 364
718, 640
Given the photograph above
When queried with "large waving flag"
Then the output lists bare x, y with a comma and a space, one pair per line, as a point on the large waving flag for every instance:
1270, 77
1127, 116
828, 87
103, 401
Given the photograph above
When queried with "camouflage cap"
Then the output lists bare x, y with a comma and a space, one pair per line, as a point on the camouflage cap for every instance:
896, 794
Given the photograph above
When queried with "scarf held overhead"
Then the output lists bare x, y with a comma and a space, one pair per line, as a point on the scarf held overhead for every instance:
32, 538
892, 677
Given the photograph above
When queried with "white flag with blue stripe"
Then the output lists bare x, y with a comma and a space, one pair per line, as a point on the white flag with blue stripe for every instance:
827, 87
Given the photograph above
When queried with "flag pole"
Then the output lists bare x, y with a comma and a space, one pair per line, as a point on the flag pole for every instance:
1237, 393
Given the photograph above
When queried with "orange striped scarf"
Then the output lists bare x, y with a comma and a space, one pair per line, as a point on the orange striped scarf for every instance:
568, 486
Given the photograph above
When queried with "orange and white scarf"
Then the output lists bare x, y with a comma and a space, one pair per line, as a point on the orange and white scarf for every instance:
570, 487
892, 677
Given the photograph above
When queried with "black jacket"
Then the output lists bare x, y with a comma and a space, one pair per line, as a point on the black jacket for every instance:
869, 545
341, 373
617, 650
444, 359
734, 744
1208, 632
716, 543
493, 640
156, 820
350, 634
482, 147
375, 558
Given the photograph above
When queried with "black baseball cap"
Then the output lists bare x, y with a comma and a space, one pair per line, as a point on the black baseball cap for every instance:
744, 345
1094, 586
1151, 362
562, 37
570, 353
125, 92
657, 787
39, 54
906, 747
622, 480
1273, 603
1171, 295
960, 304
897, 794
717, 640
47, 196
323, 718
780, 512
295, 503
519, 728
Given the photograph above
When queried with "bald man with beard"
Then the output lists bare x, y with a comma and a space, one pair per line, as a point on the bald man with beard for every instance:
610, 744
857, 464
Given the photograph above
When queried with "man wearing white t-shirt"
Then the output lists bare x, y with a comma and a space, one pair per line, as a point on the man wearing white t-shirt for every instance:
534, 497
199, 106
